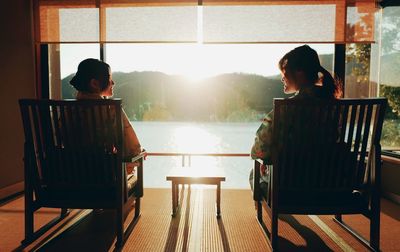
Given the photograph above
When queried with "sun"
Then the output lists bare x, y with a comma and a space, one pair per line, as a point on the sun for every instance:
197, 68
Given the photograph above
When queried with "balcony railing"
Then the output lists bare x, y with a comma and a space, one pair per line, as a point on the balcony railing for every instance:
187, 157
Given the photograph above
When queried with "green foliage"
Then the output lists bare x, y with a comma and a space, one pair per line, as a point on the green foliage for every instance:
393, 96
243, 115
157, 113
391, 133
358, 61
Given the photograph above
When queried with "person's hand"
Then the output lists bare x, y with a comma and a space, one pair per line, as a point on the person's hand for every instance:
130, 167
145, 153
263, 170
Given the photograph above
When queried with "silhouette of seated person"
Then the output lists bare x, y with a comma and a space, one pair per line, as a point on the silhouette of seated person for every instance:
303, 76
93, 80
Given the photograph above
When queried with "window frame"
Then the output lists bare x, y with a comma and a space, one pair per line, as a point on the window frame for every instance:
43, 68
384, 4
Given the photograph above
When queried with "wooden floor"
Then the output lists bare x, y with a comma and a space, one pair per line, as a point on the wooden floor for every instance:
195, 228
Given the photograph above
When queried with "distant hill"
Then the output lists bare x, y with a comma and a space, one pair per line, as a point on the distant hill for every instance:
326, 61
214, 98
225, 97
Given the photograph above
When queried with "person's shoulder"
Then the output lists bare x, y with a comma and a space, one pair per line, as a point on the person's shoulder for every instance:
87, 96
312, 92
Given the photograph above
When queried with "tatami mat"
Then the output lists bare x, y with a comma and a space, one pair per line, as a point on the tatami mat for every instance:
196, 227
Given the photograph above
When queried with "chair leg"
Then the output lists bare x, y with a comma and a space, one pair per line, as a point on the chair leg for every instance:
28, 225
274, 231
29, 213
64, 212
137, 207
374, 233
259, 211
373, 243
30, 234
120, 228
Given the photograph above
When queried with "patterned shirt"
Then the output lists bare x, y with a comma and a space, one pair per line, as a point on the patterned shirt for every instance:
262, 143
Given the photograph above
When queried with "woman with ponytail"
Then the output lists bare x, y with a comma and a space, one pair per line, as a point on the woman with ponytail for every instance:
303, 76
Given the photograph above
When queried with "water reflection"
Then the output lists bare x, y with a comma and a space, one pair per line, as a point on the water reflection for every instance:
172, 137
194, 139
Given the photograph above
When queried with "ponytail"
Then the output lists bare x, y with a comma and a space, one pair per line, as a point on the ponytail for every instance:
306, 60
331, 86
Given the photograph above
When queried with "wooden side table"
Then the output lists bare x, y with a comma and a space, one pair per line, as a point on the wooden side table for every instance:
198, 175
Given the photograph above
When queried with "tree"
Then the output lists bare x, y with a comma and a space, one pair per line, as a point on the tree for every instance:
358, 56
392, 94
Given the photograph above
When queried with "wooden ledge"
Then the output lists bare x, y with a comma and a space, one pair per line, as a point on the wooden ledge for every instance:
391, 160
196, 173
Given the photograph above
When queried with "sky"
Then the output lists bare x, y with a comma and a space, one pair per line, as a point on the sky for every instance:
194, 61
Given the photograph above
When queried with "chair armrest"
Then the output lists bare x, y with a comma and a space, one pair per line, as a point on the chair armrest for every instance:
139, 186
375, 169
142, 154
138, 160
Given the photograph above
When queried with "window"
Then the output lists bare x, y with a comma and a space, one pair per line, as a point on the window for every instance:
63, 61
203, 84
372, 70
389, 82
193, 98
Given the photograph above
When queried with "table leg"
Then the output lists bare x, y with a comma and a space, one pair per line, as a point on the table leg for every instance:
177, 196
218, 199
173, 198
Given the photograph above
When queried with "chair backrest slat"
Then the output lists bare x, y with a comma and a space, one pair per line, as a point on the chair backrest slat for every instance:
56, 130
74, 144
102, 136
359, 127
364, 142
351, 126
320, 146
329, 174
38, 139
344, 122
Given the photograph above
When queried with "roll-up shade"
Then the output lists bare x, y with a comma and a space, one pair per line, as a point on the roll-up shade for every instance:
360, 25
73, 21
64, 21
151, 24
322, 21
270, 23
221, 21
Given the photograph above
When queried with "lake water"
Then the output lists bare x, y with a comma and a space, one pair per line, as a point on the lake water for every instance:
184, 137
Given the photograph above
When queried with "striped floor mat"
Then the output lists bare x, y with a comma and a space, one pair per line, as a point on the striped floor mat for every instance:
196, 227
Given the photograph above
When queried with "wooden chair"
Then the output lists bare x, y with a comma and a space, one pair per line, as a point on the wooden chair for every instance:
326, 160
73, 159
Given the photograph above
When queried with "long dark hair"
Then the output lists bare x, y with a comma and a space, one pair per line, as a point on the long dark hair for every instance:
305, 59
90, 69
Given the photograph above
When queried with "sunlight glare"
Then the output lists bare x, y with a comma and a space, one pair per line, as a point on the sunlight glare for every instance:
198, 61
193, 139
